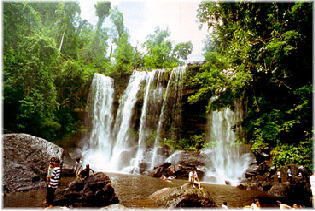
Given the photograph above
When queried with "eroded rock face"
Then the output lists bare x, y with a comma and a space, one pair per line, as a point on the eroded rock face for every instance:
96, 191
183, 196
25, 160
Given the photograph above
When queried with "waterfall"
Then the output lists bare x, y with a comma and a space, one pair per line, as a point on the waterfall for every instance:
227, 161
150, 111
153, 99
170, 116
123, 149
97, 150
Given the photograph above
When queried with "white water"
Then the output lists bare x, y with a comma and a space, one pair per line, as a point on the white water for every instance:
100, 103
123, 151
153, 98
117, 150
226, 162
171, 102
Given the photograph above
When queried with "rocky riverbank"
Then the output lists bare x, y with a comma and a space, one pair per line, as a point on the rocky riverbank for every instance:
25, 166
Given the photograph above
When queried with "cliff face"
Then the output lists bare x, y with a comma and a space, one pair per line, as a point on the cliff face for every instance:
25, 161
193, 119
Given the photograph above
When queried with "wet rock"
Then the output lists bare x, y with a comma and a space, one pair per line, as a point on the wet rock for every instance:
279, 190
249, 173
183, 196
25, 160
262, 156
96, 191
162, 169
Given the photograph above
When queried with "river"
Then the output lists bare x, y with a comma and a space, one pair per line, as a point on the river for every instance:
133, 191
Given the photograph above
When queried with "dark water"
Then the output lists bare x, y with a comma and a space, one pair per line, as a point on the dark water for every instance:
132, 192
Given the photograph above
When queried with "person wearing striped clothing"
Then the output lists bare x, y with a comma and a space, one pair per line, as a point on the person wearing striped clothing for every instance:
53, 183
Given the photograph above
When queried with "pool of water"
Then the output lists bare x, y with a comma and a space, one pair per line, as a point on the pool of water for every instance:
133, 190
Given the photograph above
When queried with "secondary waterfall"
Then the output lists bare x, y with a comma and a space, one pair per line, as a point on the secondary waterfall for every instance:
228, 162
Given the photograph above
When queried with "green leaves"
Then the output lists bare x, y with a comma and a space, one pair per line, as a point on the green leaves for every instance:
300, 154
160, 52
261, 50
182, 50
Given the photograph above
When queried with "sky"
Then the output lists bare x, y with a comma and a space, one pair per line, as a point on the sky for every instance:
141, 17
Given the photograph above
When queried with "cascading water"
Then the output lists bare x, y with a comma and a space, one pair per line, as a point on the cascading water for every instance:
227, 162
150, 111
170, 117
123, 151
153, 100
97, 151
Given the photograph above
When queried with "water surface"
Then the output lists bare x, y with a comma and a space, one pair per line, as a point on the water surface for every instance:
133, 190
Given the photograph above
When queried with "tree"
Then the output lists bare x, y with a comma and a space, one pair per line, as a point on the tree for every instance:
261, 50
29, 86
33, 98
182, 50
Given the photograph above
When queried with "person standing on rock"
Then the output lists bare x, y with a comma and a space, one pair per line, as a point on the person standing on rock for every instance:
193, 178
77, 166
53, 183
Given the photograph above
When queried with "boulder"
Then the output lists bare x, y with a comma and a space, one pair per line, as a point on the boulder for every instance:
162, 169
25, 160
279, 190
95, 191
192, 158
262, 155
183, 196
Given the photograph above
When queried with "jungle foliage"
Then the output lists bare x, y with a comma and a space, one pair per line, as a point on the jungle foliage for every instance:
262, 51
50, 55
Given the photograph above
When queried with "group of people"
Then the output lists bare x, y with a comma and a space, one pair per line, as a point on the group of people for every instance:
80, 173
53, 177
301, 172
256, 205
